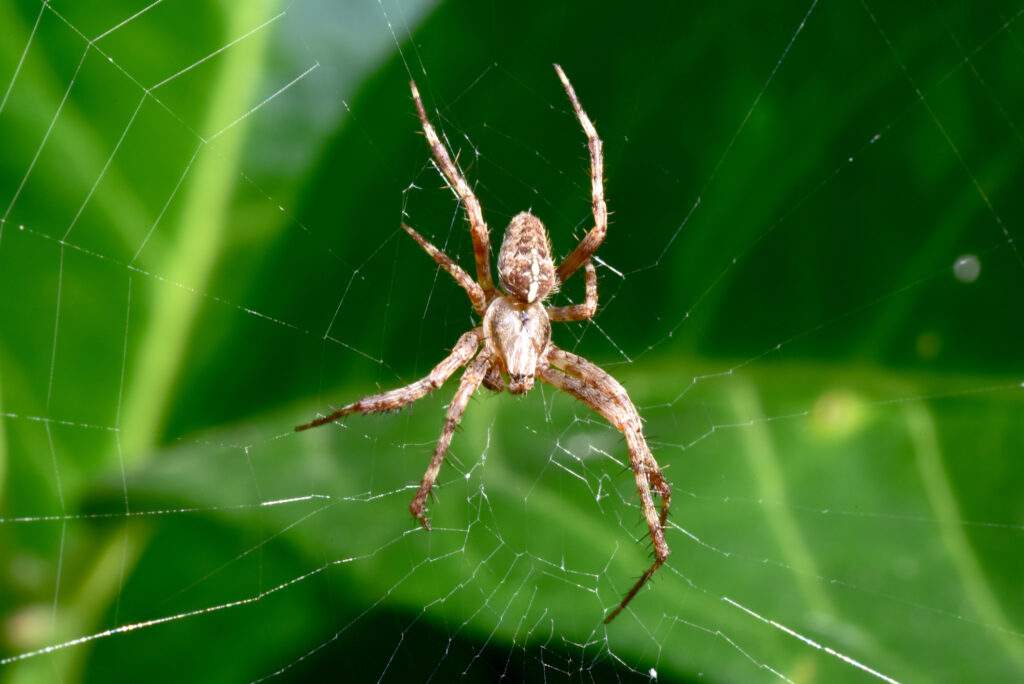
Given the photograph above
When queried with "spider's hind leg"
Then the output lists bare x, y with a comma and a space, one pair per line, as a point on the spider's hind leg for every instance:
477, 226
475, 292
579, 312
592, 240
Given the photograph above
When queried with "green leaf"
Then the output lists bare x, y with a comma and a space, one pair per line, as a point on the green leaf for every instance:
200, 249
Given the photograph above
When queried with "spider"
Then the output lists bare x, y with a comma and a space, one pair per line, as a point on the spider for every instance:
515, 337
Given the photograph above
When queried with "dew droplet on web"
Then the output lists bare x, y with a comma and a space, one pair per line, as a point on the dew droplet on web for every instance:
967, 268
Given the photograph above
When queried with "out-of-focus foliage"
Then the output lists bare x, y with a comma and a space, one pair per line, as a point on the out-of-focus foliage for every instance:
198, 254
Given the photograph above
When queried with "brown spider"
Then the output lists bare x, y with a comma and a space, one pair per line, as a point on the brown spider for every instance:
516, 333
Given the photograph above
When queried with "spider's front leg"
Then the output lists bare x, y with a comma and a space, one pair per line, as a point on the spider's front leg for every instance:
397, 398
471, 379
600, 391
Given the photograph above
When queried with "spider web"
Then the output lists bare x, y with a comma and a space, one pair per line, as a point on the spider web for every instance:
811, 288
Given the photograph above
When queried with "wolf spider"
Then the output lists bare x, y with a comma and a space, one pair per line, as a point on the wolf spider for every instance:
515, 338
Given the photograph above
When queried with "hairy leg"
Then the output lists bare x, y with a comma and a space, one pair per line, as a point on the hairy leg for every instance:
595, 388
476, 294
592, 240
579, 312
471, 380
595, 376
397, 398
493, 380
477, 226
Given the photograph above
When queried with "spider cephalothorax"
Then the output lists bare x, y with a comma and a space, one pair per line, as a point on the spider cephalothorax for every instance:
515, 337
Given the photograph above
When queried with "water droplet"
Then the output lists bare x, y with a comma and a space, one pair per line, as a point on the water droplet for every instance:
967, 268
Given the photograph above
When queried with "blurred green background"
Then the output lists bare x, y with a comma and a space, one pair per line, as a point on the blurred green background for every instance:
200, 249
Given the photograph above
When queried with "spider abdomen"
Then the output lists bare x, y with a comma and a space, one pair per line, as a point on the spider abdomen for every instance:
525, 268
517, 334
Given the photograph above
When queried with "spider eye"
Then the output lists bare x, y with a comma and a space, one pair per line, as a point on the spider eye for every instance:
520, 384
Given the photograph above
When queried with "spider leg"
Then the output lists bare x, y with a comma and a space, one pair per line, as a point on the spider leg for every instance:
598, 390
477, 226
579, 312
471, 380
476, 294
592, 240
595, 376
397, 398
493, 380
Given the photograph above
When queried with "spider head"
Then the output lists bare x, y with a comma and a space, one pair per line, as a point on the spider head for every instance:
525, 268
517, 334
